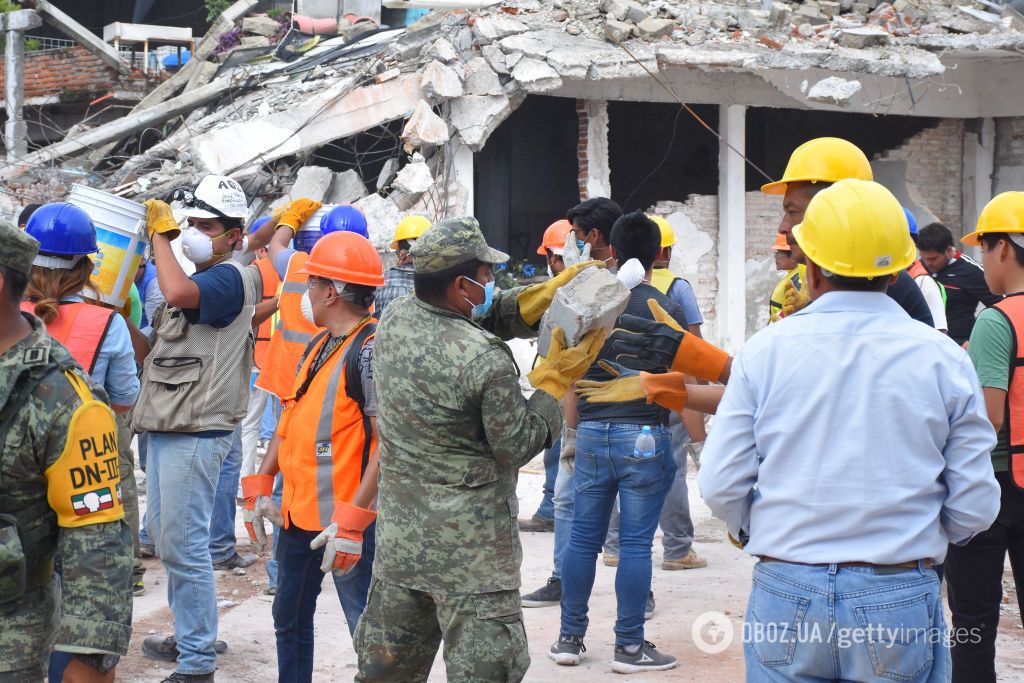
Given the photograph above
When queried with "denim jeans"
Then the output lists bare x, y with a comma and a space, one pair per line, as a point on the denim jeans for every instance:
854, 623
563, 509
271, 415
606, 468
277, 495
298, 587
143, 442
675, 522
182, 473
222, 528
547, 503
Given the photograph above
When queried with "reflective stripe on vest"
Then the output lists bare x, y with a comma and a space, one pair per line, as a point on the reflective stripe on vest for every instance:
271, 282
1012, 307
325, 465
662, 279
80, 327
292, 333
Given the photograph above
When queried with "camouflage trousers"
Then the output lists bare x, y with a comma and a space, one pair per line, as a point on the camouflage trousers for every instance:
28, 627
400, 630
129, 490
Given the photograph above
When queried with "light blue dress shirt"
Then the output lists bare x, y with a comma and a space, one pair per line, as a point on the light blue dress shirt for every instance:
850, 432
114, 369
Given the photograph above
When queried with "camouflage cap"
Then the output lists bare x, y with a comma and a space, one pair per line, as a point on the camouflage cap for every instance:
450, 243
17, 247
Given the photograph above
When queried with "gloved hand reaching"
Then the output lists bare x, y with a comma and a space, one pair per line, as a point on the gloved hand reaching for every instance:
257, 489
568, 452
793, 299
342, 540
667, 389
563, 366
297, 213
643, 344
160, 218
535, 299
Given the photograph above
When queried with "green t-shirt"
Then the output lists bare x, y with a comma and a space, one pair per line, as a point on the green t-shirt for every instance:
136, 300
990, 348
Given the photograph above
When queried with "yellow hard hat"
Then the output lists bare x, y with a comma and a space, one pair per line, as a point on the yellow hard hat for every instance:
409, 228
1004, 213
856, 228
668, 235
825, 160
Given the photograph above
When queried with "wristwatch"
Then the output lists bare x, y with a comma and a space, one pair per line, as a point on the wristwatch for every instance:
101, 662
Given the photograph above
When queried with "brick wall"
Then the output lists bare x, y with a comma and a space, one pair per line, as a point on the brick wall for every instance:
583, 166
69, 72
1009, 161
935, 168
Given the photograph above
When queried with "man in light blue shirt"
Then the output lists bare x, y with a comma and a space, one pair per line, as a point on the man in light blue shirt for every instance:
850, 447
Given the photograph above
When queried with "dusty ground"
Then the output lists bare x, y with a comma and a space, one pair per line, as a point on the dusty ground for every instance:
246, 624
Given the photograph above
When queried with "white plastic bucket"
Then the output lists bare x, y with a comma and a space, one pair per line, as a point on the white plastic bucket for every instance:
309, 232
121, 235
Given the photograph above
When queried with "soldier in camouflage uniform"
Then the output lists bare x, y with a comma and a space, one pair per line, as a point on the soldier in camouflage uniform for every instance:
59, 495
454, 431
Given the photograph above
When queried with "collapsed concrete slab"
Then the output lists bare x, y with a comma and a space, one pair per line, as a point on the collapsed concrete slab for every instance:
536, 76
382, 217
441, 81
347, 188
424, 127
415, 178
476, 117
312, 182
593, 299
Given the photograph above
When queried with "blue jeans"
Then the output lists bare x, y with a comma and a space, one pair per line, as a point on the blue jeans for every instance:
606, 468
277, 496
182, 473
547, 503
271, 414
299, 585
563, 509
222, 527
854, 623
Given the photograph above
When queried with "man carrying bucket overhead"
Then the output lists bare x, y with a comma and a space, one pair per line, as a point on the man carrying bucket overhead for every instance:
193, 397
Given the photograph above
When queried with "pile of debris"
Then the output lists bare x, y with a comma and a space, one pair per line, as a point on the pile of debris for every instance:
452, 77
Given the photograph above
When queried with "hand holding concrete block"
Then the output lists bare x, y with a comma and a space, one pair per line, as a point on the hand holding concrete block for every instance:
593, 299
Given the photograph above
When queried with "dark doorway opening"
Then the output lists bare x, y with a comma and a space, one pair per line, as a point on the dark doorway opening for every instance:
525, 176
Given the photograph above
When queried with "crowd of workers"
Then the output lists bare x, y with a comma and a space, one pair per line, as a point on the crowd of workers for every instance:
857, 449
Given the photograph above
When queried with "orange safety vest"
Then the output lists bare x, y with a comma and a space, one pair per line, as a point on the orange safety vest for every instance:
80, 327
1012, 306
917, 269
271, 282
326, 439
292, 333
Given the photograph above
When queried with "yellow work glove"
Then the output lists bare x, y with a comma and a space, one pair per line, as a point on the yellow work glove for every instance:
667, 389
297, 212
535, 299
160, 218
793, 299
563, 366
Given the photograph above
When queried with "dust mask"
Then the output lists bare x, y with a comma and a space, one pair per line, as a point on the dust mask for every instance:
197, 247
631, 273
307, 308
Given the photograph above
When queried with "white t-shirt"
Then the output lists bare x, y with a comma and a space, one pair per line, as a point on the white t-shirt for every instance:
933, 297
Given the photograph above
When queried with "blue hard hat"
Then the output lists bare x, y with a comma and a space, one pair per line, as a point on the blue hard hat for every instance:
258, 223
63, 229
911, 220
344, 217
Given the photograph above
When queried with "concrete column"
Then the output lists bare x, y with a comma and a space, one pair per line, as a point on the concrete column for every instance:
732, 220
15, 130
463, 167
979, 167
599, 179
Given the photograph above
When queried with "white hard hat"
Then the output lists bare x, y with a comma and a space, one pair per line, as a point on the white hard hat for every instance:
220, 192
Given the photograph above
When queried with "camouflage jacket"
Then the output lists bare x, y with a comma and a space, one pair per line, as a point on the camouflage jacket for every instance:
454, 431
96, 597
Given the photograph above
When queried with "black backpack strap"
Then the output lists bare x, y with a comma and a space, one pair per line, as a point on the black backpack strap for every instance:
354, 385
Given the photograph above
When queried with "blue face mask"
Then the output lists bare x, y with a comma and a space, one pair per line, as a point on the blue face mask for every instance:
482, 308
580, 244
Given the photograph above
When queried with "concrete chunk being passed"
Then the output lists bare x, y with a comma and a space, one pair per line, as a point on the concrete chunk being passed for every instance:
594, 298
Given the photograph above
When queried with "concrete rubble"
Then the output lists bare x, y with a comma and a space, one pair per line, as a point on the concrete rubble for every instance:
449, 80
593, 299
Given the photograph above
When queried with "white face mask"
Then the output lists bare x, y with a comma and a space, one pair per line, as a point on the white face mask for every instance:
307, 308
196, 246
631, 273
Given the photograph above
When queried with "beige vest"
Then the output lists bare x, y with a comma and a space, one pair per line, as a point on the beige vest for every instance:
196, 377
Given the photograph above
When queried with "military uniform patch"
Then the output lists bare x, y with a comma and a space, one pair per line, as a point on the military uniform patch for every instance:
93, 501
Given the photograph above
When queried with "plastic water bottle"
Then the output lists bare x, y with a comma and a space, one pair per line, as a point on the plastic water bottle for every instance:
644, 446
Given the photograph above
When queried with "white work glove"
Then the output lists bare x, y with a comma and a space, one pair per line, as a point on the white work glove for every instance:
571, 254
342, 540
568, 451
259, 506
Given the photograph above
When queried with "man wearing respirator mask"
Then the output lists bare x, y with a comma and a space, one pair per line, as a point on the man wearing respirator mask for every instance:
194, 395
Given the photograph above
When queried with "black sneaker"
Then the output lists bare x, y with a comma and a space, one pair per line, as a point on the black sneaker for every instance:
236, 560
649, 607
646, 658
166, 649
549, 594
566, 651
178, 677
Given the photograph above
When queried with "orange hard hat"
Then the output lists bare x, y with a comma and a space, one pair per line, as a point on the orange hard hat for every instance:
347, 257
780, 243
554, 237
